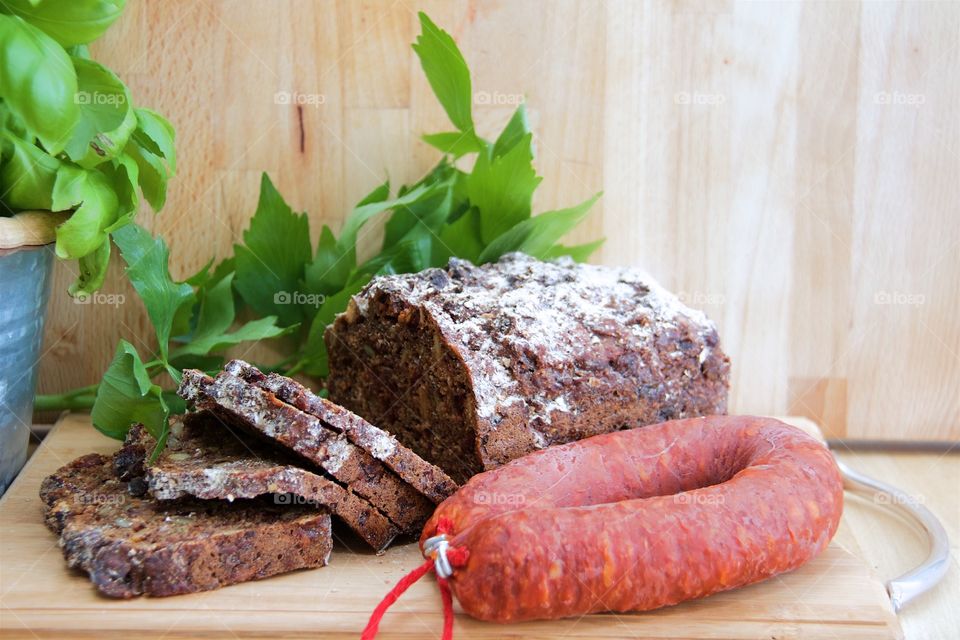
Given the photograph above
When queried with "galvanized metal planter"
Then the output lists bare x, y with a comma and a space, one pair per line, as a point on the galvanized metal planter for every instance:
25, 274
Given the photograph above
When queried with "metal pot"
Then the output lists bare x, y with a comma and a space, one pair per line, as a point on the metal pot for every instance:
26, 260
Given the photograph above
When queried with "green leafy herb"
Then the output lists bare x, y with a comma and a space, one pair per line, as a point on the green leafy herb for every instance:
70, 137
504, 186
147, 271
38, 82
270, 263
126, 395
106, 116
69, 22
447, 73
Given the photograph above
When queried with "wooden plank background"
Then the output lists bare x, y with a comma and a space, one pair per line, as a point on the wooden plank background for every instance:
792, 169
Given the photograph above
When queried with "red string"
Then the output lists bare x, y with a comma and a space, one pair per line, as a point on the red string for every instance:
370, 631
457, 557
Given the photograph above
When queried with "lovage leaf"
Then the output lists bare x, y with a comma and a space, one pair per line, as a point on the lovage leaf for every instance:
126, 395
423, 217
215, 316
37, 82
579, 252
455, 143
537, 235
446, 71
502, 188
513, 133
147, 269
270, 264
330, 268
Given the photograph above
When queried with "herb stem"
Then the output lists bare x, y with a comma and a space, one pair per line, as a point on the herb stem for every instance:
70, 401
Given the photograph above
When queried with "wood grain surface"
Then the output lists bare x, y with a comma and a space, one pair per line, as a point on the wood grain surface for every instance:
834, 595
790, 168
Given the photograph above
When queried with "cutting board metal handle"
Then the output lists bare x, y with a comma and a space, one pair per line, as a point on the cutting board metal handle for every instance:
924, 577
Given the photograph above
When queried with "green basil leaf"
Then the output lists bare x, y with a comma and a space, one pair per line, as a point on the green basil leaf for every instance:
92, 271
106, 115
537, 235
455, 143
27, 174
37, 82
69, 22
502, 188
11, 124
123, 175
96, 209
126, 396
513, 133
156, 134
152, 175
147, 261
446, 71
270, 264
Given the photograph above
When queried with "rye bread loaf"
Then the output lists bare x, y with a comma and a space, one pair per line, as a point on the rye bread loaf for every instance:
426, 478
472, 366
262, 414
133, 546
204, 459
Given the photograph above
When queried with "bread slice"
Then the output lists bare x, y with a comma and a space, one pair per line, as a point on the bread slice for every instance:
261, 413
426, 478
133, 546
205, 460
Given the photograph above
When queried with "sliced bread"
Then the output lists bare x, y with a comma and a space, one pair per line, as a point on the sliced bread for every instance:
205, 459
262, 414
132, 546
426, 478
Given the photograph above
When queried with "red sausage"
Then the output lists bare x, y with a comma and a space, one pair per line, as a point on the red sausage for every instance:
640, 519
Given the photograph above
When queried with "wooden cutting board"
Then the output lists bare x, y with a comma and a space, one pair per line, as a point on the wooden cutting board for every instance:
835, 595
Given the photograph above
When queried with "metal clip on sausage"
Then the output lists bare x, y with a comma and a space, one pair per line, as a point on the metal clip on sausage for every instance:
438, 545
905, 588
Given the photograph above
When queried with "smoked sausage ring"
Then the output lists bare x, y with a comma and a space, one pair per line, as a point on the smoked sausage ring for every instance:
639, 519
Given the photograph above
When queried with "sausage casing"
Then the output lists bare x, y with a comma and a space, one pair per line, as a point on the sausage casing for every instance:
639, 519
